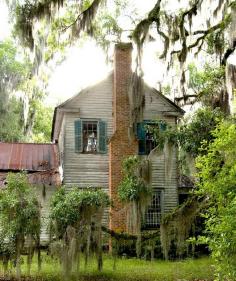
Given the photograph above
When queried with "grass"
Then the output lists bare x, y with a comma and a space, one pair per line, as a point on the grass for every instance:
129, 270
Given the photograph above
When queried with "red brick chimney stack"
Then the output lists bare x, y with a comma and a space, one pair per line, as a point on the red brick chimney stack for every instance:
121, 146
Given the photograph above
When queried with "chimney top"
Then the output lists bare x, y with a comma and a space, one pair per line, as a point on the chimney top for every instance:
124, 46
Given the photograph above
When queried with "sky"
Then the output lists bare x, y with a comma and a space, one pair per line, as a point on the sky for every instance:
85, 65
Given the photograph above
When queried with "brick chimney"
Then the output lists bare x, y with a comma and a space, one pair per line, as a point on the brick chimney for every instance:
121, 146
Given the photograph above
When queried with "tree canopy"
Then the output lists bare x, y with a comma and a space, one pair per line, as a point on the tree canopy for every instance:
182, 30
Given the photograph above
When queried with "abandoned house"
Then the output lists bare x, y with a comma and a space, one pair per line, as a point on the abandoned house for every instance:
40, 163
94, 134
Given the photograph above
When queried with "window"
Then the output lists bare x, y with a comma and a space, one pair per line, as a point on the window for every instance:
90, 130
146, 141
90, 136
153, 212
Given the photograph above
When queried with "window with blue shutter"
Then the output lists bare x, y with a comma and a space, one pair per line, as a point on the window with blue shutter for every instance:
78, 136
102, 142
146, 141
90, 136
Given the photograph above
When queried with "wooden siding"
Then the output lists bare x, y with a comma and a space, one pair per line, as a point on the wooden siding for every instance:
61, 147
44, 201
163, 163
157, 107
82, 169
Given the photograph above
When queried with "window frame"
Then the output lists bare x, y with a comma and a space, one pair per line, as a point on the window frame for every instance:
97, 137
101, 138
142, 133
143, 141
152, 218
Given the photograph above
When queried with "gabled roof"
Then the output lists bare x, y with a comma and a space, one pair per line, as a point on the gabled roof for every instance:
175, 106
28, 156
58, 111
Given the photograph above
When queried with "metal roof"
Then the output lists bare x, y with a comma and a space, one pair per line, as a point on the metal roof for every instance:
28, 156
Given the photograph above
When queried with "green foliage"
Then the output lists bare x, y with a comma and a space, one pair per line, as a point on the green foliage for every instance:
41, 131
166, 90
19, 218
18, 123
106, 25
11, 129
216, 43
13, 71
162, 133
68, 209
76, 218
19, 207
217, 181
194, 132
128, 269
133, 187
178, 225
135, 191
207, 83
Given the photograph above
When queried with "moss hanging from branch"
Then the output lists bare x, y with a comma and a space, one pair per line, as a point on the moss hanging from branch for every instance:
135, 191
76, 218
136, 100
27, 13
176, 227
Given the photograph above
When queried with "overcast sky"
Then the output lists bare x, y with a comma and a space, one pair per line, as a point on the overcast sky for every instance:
83, 66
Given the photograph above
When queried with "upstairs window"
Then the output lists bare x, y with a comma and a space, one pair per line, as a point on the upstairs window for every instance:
90, 133
90, 136
146, 140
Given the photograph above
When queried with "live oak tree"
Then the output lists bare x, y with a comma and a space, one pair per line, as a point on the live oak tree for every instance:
177, 30
12, 73
21, 107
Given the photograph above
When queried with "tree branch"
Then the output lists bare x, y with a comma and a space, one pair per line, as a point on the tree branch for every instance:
28, 12
141, 30
127, 236
201, 38
228, 52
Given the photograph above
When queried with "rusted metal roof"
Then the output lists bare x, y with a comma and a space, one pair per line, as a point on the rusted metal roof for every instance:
28, 156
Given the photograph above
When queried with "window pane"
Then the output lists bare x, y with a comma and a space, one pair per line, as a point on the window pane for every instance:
146, 139
90, 137
153, 213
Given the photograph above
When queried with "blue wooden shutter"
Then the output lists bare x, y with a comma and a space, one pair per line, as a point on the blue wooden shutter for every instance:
102, 142
78, 136
141, 132
162, 125
141, 136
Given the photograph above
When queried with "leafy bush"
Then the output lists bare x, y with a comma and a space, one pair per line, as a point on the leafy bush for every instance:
68, 208
76, 218
19, 217
217, 181
192, 133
